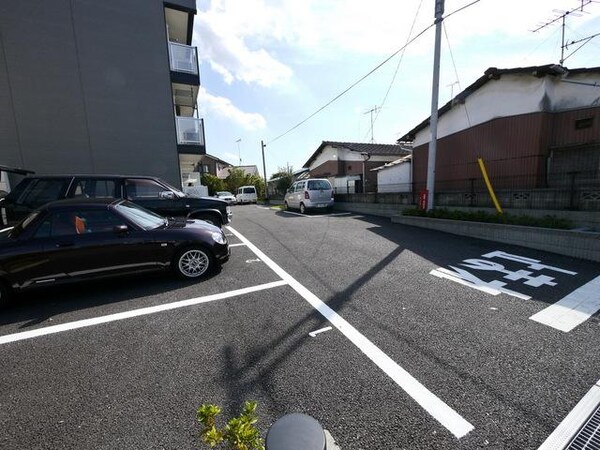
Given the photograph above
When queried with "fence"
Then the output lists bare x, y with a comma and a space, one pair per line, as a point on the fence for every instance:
568, 191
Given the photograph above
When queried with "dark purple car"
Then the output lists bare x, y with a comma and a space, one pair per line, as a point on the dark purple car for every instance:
71, 240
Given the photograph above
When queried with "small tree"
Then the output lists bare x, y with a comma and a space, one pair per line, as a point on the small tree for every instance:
235, 179
284, 177
213, 183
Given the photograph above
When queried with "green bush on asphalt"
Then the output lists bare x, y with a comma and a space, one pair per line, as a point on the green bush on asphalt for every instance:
240, 432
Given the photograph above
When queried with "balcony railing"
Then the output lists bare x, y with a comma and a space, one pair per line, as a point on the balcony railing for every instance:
183, 58
189, 131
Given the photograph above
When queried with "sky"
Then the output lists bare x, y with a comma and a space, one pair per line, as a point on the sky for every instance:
267, 65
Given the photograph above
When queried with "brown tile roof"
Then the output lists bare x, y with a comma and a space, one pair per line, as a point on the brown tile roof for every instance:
359, 147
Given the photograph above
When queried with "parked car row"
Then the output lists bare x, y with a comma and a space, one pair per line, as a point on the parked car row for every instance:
149, 192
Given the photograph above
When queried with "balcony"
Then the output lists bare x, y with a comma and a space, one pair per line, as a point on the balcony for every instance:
190, 131
183, 58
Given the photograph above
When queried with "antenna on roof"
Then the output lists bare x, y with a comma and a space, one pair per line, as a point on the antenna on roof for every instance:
561, 15
371, 111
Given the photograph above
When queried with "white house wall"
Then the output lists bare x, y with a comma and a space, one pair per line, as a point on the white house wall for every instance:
330, 153
395, 178
514, 94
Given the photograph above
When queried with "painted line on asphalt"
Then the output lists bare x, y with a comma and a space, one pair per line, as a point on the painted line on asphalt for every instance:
319, 331
134, 313
317, 215
439, 410
566, 430
572, 310
236, 245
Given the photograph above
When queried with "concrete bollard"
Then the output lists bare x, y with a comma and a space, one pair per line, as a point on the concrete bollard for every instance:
296, 432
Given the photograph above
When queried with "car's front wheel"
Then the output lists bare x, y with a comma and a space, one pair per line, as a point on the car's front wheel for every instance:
5, 294
193, 263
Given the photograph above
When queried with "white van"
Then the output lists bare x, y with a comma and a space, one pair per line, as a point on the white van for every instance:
246, 194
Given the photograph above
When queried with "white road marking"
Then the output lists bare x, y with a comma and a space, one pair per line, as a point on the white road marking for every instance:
134, 313
249, 261
319, 331
572, 310
465, 278
571, 424
294, 213
314, 216
439, 410
235, 245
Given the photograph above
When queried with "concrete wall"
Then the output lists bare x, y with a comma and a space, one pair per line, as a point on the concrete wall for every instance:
396, 178
564, 242
85, 87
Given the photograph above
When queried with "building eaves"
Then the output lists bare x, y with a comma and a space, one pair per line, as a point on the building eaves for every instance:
494, 73
218, 160
371, 149
396, 162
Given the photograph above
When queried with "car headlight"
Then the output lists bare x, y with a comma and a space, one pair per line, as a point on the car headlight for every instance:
219, 237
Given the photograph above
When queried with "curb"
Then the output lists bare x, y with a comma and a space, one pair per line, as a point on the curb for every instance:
577, 244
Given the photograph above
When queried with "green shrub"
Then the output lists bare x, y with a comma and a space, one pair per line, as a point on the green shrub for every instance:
483, 216
239, 433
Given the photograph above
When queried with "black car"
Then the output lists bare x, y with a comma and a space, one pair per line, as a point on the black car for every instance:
150, 192
71, 240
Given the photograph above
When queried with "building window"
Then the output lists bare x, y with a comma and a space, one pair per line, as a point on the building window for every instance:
580, 124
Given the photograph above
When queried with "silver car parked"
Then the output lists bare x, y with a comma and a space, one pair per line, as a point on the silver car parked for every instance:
314, 193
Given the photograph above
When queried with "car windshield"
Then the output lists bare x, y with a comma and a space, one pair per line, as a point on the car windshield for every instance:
140, 216
224, 194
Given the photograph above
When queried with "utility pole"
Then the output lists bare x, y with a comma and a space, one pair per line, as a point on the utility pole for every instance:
439, 11
262, 145
374, 109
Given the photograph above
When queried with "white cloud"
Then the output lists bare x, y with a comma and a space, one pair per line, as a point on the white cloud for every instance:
222, 35
223, 107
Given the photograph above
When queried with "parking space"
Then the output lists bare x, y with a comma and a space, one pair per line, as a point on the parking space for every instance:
392, 337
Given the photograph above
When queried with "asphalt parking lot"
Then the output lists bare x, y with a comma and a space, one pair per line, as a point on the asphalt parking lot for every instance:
391, 336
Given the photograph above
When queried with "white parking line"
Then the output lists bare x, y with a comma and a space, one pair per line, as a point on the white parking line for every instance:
134, 313
317, 215
236, 245
439, 410
572, 310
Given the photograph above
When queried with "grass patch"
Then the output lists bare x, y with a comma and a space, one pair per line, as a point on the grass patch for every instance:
483, 216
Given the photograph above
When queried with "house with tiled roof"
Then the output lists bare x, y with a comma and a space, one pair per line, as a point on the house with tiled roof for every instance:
536, 128
348, 165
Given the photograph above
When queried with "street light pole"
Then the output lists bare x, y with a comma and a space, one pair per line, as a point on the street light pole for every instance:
239, 152
439, 11
262, 145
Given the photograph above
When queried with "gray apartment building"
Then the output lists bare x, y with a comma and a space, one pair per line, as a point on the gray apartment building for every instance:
108, 86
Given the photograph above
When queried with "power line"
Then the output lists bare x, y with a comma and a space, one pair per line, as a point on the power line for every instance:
455, 70
352, 85
423, 31
396, 71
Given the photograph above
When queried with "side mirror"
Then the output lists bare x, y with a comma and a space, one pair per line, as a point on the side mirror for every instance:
120, 229
167, 194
